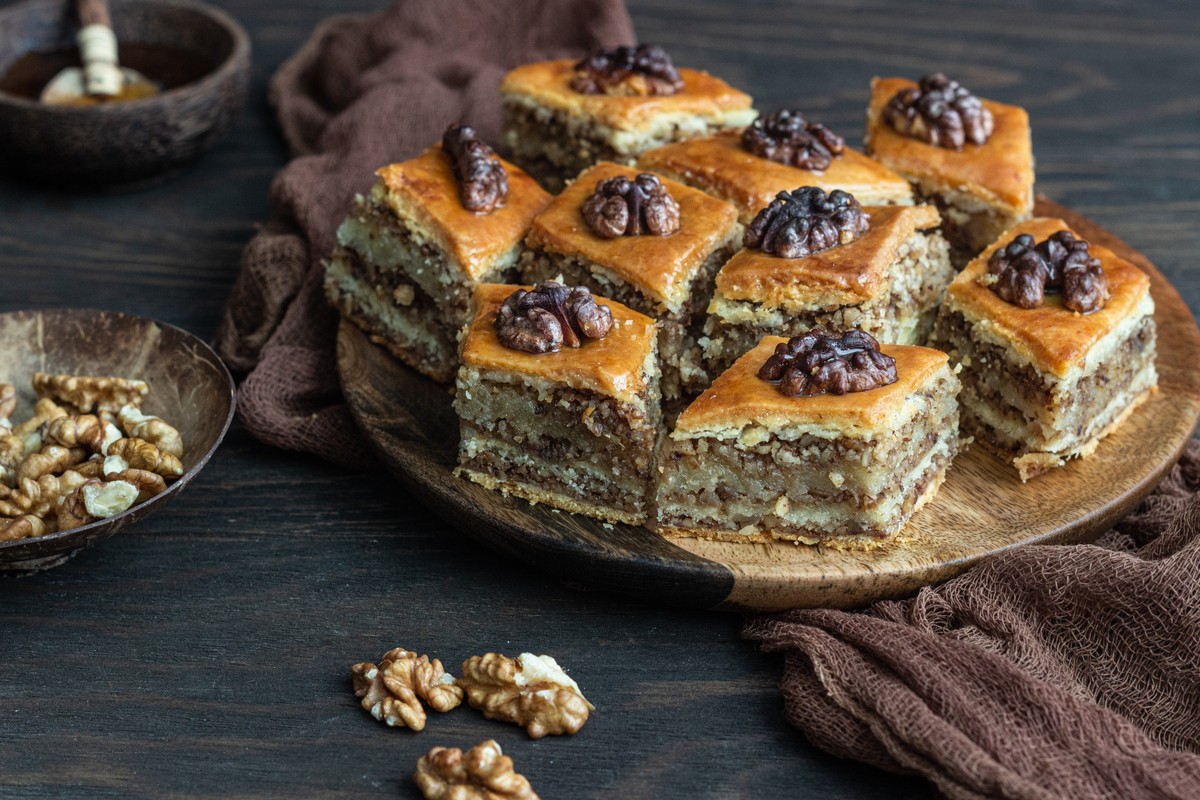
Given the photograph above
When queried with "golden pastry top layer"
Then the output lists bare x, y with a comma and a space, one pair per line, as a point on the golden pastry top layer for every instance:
848, 274
548, 83
1052, 338
423, 191
738, 398
660, 267
612, 366
1000, 170
720, 165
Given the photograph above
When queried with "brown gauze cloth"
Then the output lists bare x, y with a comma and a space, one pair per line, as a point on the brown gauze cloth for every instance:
1067, 671
363, 92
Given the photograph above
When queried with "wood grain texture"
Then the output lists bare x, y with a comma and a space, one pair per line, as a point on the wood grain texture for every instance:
982, 509
204, 652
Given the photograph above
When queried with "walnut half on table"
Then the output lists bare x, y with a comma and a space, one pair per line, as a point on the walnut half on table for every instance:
482, 773
532, 691
392, 691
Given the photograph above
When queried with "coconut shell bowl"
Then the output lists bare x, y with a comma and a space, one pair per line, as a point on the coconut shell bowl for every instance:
198, 55
189, 388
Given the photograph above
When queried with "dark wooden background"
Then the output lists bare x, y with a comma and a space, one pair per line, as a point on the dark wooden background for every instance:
205, 652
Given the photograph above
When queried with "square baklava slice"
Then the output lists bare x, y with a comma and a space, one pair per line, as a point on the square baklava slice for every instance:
1056, 339
776, 154
973, 157
825, 438
411, 251
651, 244
572, 427
884, 273
561, 117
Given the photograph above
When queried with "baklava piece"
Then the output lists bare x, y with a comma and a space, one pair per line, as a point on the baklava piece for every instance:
651, 244
432, 228
973, 157
563, 116
558, 400
1056, 341
884, 273
776, 154
820, 439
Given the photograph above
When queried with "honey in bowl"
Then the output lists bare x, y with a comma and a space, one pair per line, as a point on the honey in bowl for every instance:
166, 66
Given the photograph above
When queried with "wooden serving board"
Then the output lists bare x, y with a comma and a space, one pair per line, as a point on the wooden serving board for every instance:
982, 508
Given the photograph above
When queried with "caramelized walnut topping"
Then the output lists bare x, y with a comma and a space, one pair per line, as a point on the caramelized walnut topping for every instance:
941, 112
640, 71
1021, 272
542, 320
624, 207
482, 181
786, 138
819, 362
806, 221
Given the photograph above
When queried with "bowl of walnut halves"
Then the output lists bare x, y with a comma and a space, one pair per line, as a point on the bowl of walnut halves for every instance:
103, 418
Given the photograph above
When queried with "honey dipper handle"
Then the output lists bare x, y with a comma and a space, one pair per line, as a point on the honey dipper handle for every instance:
93, 12
98, 49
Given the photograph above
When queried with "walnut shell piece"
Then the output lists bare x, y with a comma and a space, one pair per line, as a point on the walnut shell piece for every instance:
482, 180
941, 112
482, 773
820, 362
392, 691
1022, 272
531, 691
550, 315
804, 221
624, 207
88, 394
644, 70
786, 138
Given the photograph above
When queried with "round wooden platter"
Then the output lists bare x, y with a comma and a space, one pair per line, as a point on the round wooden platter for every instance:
982, 509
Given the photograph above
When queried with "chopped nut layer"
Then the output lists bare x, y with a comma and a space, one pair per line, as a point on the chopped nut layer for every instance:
532, 691
482, 773
392, 690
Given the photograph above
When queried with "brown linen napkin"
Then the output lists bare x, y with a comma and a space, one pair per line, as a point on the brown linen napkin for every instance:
1067, 671
365, 91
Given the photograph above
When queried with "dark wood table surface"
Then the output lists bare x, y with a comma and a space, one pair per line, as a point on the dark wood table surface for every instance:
205, 652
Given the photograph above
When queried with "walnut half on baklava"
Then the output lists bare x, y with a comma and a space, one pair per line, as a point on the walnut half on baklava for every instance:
748, 462
1047, 375
574, 427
